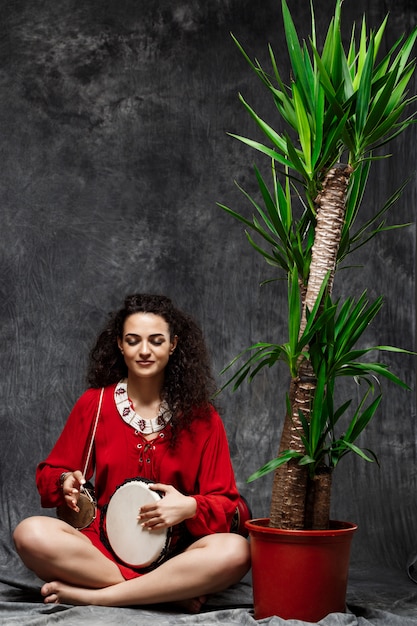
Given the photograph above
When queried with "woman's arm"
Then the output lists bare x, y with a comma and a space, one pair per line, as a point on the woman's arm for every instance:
70, 451
217, 495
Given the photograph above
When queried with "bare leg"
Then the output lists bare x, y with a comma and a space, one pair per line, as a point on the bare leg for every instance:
211, 564
54, 550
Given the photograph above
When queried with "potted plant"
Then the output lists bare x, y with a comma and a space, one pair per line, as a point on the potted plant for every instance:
338, 109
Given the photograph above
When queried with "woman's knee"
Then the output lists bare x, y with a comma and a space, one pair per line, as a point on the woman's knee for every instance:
31, 534
239, 553
234, 552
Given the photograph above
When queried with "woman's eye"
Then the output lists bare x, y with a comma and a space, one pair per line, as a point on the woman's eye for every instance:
135, 342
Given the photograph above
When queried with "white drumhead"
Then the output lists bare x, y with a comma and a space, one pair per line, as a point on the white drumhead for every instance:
133, 544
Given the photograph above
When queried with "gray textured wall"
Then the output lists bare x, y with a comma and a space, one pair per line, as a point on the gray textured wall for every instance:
114, 152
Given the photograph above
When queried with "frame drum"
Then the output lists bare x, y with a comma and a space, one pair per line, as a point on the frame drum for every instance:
132, 544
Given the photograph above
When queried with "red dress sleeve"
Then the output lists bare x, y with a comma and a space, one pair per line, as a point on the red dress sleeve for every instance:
70, 451
216, 495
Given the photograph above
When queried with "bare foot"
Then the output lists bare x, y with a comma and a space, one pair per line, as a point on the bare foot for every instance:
57, 592
60, 593
193, 605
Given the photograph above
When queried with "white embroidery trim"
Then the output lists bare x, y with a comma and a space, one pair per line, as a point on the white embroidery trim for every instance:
145, 426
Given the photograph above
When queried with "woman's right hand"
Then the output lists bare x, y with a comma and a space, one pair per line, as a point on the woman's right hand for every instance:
71, 489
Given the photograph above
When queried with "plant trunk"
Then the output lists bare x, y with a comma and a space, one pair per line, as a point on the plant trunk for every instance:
318, 500
299, 502
291, 480
331, 208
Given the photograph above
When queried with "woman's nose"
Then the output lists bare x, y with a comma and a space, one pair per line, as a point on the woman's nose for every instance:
144, 348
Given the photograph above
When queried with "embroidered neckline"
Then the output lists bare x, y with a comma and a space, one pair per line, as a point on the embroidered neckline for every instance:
128, 414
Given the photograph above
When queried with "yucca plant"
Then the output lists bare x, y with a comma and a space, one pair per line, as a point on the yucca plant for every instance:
338, 107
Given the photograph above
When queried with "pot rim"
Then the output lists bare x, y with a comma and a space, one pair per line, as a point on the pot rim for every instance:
336, 528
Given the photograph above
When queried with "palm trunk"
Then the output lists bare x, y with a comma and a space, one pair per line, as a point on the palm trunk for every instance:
331, 209
299, 501
318, 500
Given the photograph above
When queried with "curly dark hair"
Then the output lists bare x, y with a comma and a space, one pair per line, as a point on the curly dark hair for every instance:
188, 382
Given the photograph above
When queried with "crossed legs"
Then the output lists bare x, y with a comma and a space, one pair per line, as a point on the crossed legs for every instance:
77, 573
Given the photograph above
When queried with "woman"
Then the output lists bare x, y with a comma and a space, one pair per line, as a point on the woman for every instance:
155, 421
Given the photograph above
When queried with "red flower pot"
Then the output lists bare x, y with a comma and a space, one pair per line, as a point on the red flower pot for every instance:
299, 574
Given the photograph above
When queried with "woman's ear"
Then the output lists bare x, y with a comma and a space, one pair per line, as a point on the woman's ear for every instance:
174, 344
119, 343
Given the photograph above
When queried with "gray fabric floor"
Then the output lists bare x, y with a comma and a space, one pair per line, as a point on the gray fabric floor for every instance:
376, 596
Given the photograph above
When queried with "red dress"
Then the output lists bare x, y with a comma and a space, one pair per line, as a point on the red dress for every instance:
199, 465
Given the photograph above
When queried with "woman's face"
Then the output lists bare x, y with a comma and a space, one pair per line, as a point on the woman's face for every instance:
146, 345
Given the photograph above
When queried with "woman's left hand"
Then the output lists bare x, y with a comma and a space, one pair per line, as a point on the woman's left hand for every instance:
172, 509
